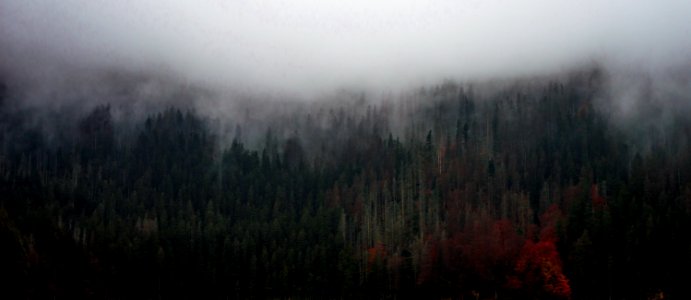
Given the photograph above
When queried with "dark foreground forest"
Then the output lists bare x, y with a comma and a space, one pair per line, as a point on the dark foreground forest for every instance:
528, 190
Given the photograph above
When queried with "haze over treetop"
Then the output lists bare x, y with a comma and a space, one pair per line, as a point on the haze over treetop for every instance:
308, 46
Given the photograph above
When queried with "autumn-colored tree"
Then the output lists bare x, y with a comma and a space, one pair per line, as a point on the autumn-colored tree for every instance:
539, 267
539, 271
375, 255
598, 200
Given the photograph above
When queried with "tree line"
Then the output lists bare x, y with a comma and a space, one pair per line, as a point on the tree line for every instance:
524, 192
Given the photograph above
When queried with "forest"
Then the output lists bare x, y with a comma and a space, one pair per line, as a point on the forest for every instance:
529, 189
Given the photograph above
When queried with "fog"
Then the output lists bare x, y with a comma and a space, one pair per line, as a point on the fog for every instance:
304, 48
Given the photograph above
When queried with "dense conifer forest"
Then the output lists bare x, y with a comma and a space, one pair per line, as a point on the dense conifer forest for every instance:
532, 189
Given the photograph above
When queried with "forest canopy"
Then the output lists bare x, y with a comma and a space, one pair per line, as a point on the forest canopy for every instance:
527, 190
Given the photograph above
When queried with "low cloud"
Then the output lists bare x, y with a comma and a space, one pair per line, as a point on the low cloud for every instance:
307, 47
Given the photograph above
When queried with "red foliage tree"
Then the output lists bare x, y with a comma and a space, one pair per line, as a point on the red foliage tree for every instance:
539, 267
548, 221
539, 271
598, 200
375, 254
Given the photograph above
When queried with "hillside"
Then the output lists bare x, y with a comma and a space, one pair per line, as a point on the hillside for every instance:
524, 189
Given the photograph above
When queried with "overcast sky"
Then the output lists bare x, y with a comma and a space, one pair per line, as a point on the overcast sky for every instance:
320, 45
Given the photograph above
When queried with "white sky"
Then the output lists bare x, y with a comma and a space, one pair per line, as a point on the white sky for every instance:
319, 45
